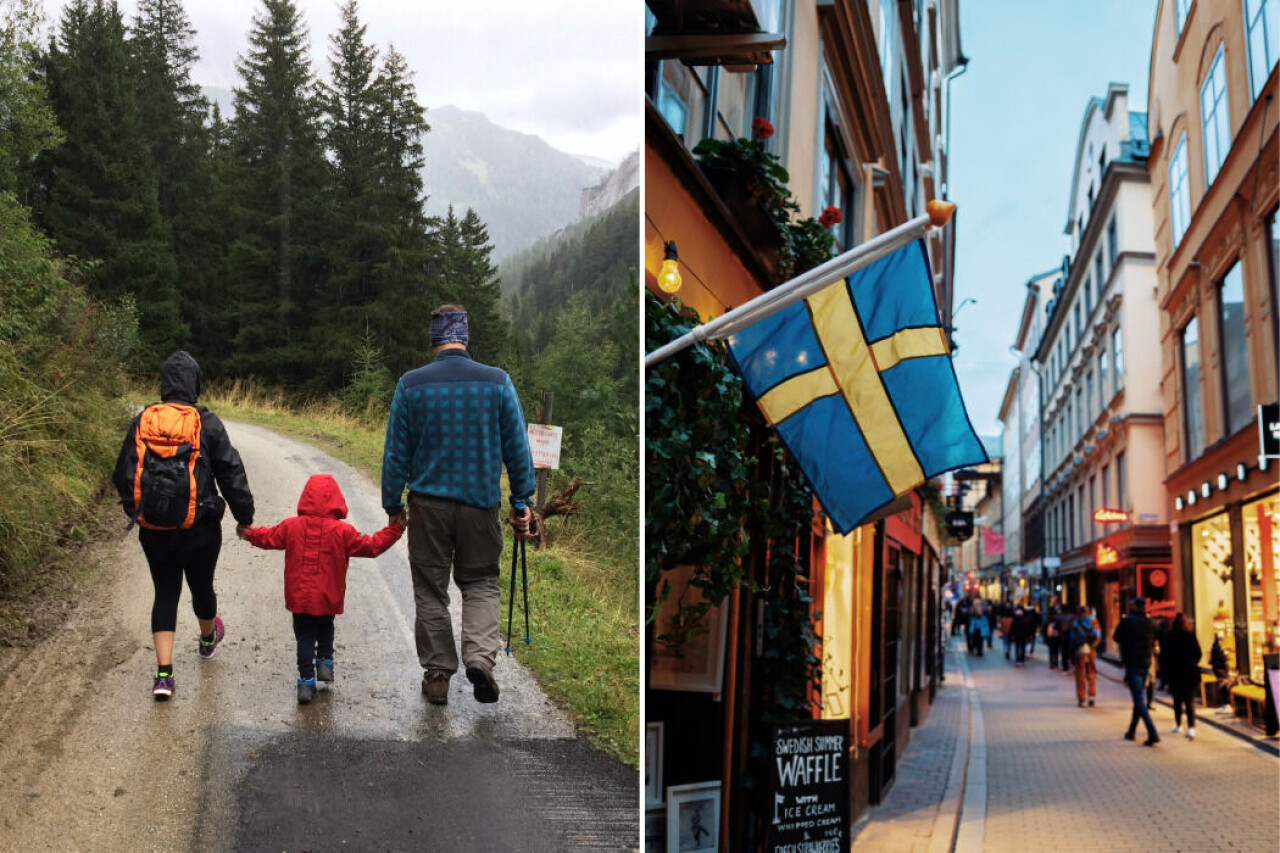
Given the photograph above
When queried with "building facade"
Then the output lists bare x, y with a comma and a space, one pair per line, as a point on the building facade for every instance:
1099, 368
1039, 290
855, 93
1213, 169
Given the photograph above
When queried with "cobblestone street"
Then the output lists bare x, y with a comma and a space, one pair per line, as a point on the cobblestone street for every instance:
1042, 774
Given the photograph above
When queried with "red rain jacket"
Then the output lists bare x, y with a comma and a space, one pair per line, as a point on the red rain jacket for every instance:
317, 544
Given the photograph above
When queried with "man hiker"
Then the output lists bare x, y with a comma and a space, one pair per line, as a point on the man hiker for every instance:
453, 425
1136, 637
175, 459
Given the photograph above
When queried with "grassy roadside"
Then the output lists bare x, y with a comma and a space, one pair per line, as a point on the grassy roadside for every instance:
582, 600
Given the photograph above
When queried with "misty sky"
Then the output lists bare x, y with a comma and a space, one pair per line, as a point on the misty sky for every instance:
1014, 127
569, 71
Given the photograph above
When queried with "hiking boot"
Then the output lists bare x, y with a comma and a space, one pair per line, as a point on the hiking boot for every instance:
480, 675
162, 689
209, 646
306, 690
324, 669
435, 686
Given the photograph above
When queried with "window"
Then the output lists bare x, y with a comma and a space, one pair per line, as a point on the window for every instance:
1235, 357
1070, 521
1193, 423
1080, 521
1088, 296
1180, 9
886, 48
1079, 412
1102, 377
1097, 272
1262, 21
1117, 358
1179, 192
1106, 486
836, 189
1214, 118
1093, 498
1122, 485
1079, 325
1112, 248
1088, 391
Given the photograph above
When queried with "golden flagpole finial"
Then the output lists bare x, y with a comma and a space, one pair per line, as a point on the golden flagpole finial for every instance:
940, 212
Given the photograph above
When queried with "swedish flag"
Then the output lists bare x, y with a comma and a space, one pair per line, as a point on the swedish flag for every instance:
858, 383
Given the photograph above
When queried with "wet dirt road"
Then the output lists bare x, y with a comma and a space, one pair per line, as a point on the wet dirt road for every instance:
88, 761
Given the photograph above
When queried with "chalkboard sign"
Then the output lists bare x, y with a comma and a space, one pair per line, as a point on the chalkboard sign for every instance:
960, 524
810, 791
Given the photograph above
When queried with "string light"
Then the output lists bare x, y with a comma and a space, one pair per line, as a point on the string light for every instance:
669, 278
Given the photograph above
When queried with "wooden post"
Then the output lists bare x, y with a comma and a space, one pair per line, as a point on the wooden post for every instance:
544, 418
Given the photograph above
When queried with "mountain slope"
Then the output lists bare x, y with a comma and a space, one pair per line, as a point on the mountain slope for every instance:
520, 186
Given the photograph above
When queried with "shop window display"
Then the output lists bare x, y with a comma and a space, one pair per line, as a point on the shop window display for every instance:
1212, 578
1261, 545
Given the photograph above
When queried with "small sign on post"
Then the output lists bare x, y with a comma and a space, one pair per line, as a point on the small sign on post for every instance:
544, 444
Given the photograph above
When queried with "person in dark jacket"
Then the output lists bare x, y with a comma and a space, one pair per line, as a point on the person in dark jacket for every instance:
1066, 622
1051, 639
317, 545
1020, 629
1135, 638
192, 549
1181, 652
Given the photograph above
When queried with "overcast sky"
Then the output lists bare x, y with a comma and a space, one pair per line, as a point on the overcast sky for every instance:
1016, 120
570, 71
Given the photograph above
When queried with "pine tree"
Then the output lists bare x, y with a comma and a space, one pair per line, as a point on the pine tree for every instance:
27, 123
173, 112
96, 195
281, 184
479, 290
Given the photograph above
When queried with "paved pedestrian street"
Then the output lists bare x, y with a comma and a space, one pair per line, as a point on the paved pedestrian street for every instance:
1034, 772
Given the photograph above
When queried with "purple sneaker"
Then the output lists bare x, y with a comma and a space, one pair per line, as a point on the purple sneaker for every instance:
208, 647
163, 687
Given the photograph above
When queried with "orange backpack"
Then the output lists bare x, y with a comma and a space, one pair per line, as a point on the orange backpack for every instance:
164, 484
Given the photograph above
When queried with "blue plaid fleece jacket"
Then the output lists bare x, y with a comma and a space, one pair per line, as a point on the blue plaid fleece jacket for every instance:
453, 424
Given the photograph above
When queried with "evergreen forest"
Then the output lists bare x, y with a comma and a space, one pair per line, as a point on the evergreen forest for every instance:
285, 244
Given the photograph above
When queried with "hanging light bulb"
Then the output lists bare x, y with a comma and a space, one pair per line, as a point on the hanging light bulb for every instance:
669, 278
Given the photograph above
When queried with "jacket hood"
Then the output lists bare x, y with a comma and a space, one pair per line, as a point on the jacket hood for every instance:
180, 378
321, 497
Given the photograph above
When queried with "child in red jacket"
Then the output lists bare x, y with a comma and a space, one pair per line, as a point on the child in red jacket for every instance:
317, 544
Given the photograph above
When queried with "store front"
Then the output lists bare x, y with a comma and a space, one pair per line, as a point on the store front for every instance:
1235, 597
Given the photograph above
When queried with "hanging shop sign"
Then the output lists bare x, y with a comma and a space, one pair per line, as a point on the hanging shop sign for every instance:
1269, 430
1110, 516
1105, 556
810, 783
960, 524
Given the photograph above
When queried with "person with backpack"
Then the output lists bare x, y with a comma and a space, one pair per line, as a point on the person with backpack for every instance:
318, 545
1084, 653
1181, 652
176, 474
979, 629
1051, 639
1066, 623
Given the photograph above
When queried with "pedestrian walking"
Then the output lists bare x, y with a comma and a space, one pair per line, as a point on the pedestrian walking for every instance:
1084, 654
1005, 613
979, 630
1019, 629
1181, 652
454, 424
317, 545
1051, 639
1135, 636
1066, 622
1033, 623
176, 474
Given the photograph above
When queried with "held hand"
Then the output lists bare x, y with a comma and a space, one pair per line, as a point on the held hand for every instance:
401, 518
240, 531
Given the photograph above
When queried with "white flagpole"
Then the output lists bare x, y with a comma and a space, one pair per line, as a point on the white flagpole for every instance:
807, 283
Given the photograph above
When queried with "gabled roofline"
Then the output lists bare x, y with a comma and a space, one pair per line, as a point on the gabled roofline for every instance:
1114, 89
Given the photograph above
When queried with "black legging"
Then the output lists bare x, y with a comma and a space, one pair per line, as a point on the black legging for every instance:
174, 553
314, 635
1183, 699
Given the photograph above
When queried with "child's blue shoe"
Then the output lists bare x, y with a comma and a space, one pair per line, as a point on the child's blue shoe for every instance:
306, 690
324, 669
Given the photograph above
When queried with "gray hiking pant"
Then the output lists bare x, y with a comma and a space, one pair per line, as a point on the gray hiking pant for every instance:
442, 535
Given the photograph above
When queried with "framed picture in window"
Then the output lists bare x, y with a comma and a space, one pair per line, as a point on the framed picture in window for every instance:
693, 818
687, 651
653, 765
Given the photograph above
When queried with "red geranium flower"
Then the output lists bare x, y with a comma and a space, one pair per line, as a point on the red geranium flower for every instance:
761, 128
830, 216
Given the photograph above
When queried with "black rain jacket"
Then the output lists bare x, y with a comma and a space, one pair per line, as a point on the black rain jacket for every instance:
218, 463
